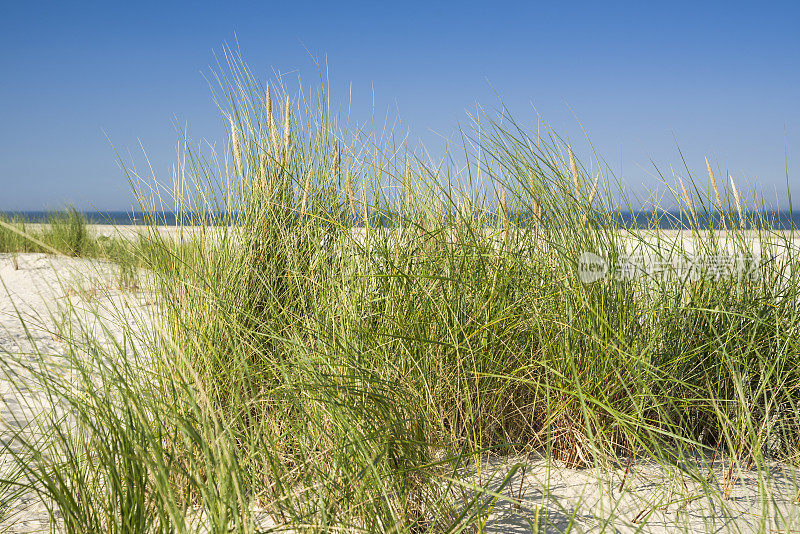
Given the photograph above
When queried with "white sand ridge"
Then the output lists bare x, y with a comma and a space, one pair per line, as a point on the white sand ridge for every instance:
49, 297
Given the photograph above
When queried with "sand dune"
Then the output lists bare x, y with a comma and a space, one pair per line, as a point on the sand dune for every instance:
48, 298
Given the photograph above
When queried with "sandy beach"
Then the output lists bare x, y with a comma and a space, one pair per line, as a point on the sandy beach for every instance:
46, 304
48, 298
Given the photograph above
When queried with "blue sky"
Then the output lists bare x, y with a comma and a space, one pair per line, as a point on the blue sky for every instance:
719, 79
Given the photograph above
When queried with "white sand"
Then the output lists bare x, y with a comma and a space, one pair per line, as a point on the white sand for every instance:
653, 498
47, 294
41, 302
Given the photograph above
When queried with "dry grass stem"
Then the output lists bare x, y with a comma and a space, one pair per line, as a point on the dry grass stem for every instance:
505, 218
263, 171
737, 200
408, 184
364, 205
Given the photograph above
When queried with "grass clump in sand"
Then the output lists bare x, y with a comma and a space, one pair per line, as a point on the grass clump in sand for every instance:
351, 330
65, 232
68, 233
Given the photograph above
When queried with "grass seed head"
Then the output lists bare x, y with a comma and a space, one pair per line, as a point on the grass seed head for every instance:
531, 181
351, 197
237, 149
273, 129
335, 163
287, 124
306, 189
714, 183
593, 193
592, 196
687, 198
575, 176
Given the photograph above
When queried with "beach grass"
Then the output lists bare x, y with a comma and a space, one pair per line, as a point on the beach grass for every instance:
68, 233
349, 330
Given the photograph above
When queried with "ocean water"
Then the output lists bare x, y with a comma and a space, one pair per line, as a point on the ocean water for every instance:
116, 218
783, 219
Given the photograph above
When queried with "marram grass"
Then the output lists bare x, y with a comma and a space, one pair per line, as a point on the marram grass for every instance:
339, 376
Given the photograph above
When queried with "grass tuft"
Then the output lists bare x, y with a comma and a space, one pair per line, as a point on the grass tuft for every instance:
308, 372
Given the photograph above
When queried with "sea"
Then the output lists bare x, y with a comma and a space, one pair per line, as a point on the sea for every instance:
781, 220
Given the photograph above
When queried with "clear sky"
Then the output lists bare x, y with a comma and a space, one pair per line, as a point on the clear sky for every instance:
717, 79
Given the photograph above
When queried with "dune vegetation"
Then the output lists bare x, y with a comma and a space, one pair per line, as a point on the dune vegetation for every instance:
350, 328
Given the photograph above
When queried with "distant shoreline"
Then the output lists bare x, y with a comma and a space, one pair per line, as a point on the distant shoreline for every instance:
668, 220
131, 231
112, 218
